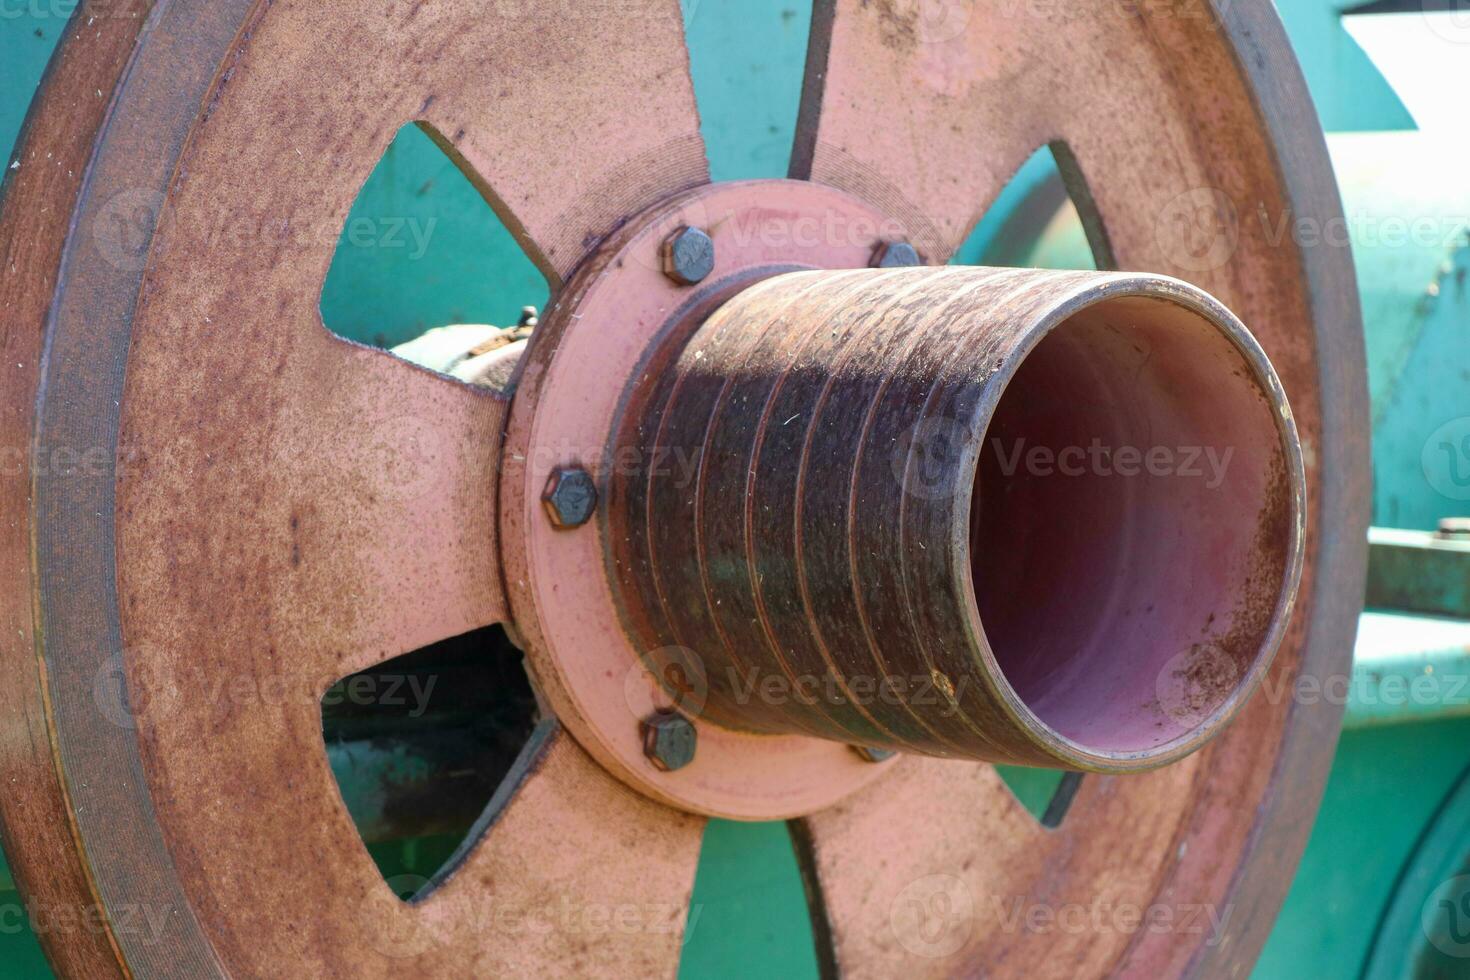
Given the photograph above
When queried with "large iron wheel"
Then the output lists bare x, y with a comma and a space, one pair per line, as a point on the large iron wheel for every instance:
259, 522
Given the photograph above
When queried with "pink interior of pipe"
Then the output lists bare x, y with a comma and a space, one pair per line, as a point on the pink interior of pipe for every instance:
1130, 530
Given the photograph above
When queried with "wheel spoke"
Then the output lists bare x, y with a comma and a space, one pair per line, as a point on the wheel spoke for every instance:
957, 898
583, 114
553, 886
1201, 156
353, 523
580, 895
927, 118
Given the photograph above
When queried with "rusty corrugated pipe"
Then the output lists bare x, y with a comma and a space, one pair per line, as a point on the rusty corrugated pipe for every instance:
1024, 516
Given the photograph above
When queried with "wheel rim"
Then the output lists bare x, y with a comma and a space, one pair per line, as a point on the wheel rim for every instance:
171, 834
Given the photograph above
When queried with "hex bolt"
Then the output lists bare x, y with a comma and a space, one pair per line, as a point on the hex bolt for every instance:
570, 497
669, 741
895, 255
1454, 528
870, 754
688, 256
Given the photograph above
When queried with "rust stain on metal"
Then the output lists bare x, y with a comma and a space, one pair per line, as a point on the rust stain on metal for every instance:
277, 506
834, 535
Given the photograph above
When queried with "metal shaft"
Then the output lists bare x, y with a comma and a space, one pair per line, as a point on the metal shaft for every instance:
1015, 515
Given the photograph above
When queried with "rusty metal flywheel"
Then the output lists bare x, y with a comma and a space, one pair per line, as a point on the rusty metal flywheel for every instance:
747, 491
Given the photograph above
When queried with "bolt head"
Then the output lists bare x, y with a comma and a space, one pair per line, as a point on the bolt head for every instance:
870, 754
896, 255
570, 497
669, 741
688, 256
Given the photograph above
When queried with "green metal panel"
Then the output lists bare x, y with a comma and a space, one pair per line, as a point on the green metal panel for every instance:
1406, 668
421, 249
1425, 932
1385, 786
748, 59
28, 34
748, 915
20, 952
1408, 209
1351, 94
1419, 571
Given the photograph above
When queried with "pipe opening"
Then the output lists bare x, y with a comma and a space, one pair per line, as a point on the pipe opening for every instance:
1131, 528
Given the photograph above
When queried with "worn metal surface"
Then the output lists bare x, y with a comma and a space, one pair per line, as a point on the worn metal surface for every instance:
892, 515
1167, 113
1419, 571
606, 333
280, 505
255, 535
39, 196
688, 256
369, 486
570, 497
670, 741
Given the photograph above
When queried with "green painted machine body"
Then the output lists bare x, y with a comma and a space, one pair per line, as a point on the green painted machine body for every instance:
1396, 816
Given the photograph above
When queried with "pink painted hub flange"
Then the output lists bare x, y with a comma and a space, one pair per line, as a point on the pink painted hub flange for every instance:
599, 333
